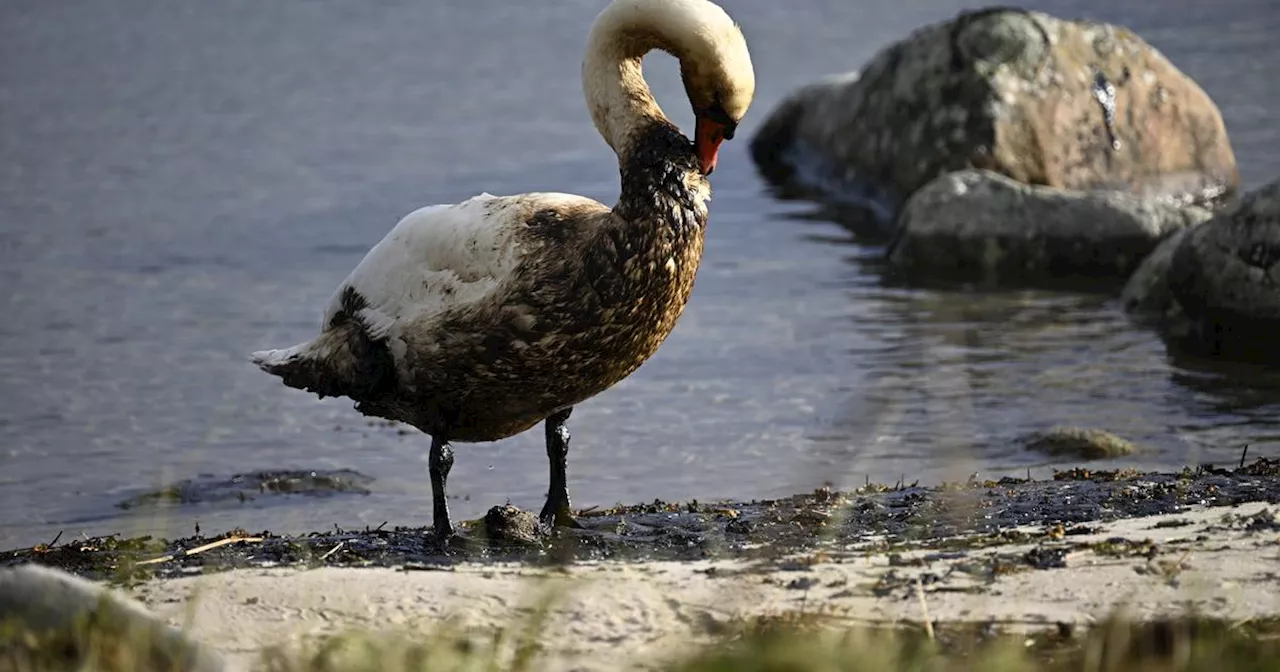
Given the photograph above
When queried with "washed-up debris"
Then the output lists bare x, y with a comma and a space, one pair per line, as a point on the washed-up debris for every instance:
949, 518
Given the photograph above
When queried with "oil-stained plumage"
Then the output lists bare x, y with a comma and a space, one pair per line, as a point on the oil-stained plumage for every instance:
478, 320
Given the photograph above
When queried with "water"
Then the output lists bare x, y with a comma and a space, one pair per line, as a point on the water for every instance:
183, 182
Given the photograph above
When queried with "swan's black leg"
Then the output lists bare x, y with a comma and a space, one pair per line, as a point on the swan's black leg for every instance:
439, 462
556, 511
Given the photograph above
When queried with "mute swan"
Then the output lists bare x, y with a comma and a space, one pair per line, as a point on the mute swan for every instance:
476, 321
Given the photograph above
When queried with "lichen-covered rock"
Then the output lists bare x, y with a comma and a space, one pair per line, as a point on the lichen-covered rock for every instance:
1225, 277
982, 226
1068, 104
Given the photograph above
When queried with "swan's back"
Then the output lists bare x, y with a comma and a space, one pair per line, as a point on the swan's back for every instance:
431, 302
439, 258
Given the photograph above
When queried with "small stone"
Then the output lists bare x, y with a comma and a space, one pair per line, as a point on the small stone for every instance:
802, 583
1042, 557
508, 524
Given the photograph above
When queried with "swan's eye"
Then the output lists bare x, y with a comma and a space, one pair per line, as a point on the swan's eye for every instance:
715, 112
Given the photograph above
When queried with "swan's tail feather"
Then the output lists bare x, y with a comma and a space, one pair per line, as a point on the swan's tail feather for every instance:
271, 360
343, 362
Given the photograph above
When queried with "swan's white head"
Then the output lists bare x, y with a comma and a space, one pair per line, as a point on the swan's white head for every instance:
714, 65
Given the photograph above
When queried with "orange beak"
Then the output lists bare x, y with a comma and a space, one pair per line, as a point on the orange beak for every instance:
708, 134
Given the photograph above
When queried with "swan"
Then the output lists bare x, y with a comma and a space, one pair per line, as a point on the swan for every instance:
475, 321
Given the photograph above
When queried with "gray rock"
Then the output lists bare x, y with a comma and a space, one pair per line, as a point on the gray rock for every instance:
80, 616
1069, 104
1225, 277
982, 226
1147, 295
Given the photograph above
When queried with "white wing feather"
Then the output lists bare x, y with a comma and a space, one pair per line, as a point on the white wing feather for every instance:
440, 257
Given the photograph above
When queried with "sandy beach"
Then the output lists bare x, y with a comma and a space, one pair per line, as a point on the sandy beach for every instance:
1220, 561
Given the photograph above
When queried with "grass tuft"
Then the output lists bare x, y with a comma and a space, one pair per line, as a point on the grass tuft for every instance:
784, 642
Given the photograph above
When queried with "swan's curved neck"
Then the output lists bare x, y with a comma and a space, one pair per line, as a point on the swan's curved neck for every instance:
618, 97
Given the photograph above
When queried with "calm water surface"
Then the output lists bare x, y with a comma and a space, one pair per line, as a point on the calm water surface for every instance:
183, 182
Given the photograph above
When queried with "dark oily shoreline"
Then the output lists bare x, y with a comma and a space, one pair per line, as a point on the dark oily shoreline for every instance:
951, 517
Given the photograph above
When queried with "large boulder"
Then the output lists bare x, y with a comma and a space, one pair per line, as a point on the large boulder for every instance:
979, 225
1225, 277
1046, 101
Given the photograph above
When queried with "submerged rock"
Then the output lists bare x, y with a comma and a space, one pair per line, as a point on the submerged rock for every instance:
1079, 443
207, 488
981, 225
1067, 104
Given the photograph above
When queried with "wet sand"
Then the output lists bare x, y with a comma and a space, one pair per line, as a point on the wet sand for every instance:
1219, 562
